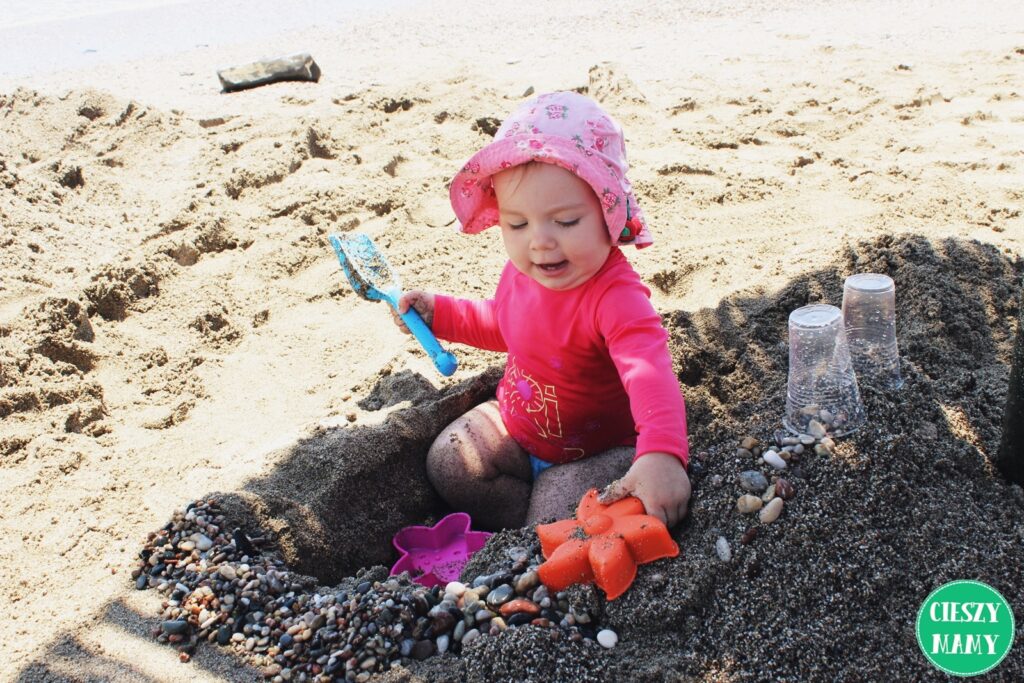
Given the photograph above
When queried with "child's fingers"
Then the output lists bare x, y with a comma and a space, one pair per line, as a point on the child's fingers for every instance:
613, 492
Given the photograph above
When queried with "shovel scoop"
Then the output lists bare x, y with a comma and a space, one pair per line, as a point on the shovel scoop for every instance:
374, 279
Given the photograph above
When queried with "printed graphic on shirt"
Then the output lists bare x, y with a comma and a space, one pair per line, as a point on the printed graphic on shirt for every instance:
526, 401
527, 397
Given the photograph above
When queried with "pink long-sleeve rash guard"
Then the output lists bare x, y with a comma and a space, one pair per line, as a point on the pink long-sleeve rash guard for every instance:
588, 368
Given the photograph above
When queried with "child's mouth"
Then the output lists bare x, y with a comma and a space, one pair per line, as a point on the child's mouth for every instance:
552, 268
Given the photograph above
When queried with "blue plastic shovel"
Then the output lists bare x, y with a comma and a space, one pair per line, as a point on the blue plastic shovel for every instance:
374, 279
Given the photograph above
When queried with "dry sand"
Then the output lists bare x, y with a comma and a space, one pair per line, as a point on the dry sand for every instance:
172, 321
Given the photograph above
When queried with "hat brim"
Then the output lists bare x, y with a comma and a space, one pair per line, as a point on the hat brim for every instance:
472, 192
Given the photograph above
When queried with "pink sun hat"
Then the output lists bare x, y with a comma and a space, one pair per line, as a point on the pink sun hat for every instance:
565, 129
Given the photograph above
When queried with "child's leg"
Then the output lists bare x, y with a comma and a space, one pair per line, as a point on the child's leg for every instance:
558, 490
478, 468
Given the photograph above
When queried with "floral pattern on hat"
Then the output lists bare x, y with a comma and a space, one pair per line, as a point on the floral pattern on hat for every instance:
570, 131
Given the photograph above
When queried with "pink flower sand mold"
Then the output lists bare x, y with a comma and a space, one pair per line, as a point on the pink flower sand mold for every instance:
435, 555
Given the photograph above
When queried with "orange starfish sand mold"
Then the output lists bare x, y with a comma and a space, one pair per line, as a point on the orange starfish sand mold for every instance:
604, 545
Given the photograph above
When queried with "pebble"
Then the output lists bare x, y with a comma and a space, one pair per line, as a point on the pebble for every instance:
816, 429
518, 606
527, 582
784, 489
744, 454
774, 459
244, 597
791, 441
723, 549
607, 638
716, 480
807, 440
747, 503
748, 442
822, 450
768, 494
500, 595
748, 535
753, 481
174, 628
456, 588
771, 511
422, 649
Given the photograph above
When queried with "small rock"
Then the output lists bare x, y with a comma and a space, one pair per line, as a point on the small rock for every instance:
771, 511
716, 480
527, 582
442, 644
748, 535
519, 619
203, 542
227, 572
807, 440
784, 489
422, 649
753, 481
826, 417
723, 549
822, 450
816, 429
607, 638
768, 494
470, 636
774, 459
744, 454
748, 442
174, 628
747, 503
519, 605
456, 588
791, 441
500, 595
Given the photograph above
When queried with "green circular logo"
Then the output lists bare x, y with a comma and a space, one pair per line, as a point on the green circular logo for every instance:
965, 628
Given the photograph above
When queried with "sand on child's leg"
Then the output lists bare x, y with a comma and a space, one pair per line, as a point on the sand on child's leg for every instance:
558, 490
478, 468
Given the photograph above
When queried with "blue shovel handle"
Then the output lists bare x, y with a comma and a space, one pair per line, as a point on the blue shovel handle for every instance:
444, 361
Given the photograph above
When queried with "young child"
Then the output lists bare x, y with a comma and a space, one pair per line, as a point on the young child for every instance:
588, 396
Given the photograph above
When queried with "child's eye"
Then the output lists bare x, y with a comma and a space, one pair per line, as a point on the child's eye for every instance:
568, 224
517, 226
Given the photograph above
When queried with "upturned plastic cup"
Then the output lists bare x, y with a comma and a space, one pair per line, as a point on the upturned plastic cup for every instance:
869, 314
822, 393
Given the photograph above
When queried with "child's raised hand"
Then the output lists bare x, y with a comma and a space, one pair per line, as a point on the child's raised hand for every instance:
659, 480
423, 302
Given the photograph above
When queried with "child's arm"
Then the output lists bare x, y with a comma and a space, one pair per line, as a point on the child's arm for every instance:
638, 345
457, 320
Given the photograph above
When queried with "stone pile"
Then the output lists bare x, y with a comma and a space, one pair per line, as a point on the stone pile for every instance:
231, 588
768, 498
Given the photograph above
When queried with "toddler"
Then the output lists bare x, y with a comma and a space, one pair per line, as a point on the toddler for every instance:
588, 396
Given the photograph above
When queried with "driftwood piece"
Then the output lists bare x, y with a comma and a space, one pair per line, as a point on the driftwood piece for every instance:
300, 67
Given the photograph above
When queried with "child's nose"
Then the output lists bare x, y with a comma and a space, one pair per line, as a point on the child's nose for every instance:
541, 239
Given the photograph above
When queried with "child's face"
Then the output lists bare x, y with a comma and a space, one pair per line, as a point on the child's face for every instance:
552, 225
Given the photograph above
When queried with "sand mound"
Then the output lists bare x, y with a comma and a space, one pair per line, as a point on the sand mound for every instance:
904, 505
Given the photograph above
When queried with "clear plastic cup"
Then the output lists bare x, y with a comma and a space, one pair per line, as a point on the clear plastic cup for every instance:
822, 394
869, 315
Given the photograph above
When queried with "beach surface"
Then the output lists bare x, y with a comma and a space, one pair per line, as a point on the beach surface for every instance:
173, 321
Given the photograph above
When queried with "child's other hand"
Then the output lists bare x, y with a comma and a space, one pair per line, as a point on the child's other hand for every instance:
423, 302
659, 480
